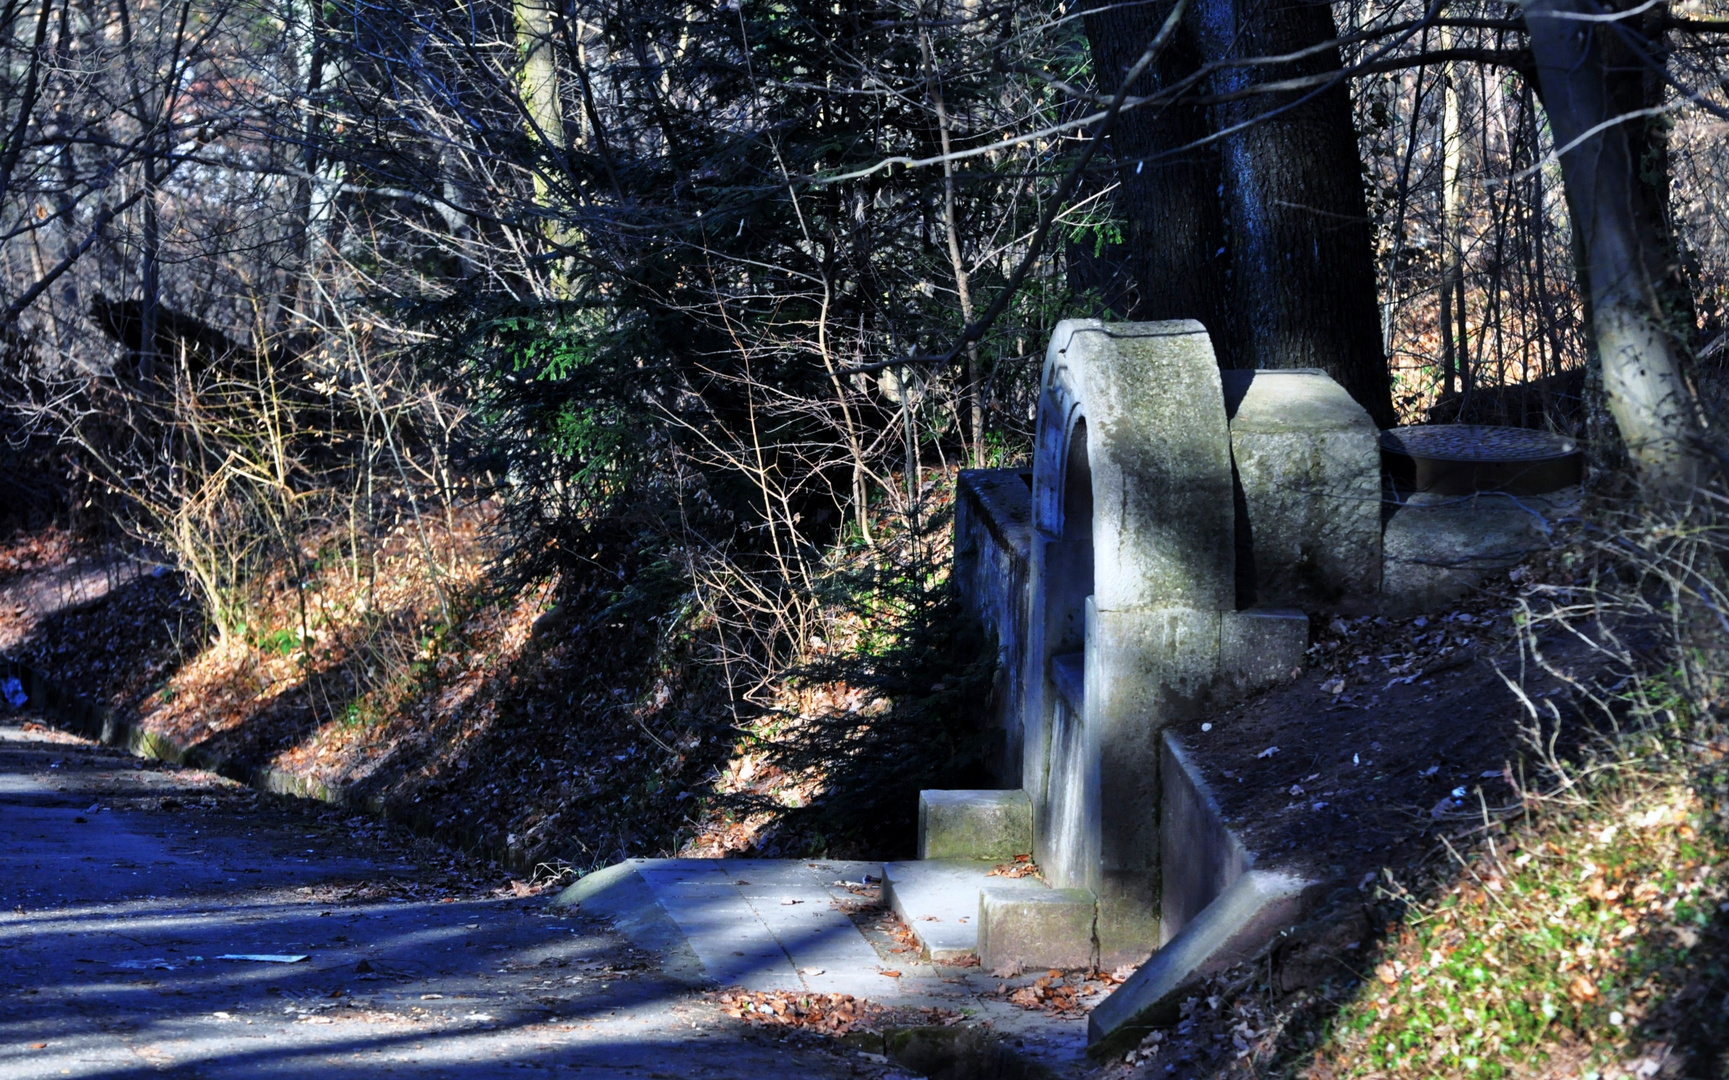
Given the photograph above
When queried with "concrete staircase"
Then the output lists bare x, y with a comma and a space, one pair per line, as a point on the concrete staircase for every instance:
959, 903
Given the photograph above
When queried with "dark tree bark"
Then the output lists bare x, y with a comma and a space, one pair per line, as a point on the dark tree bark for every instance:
1263, 234
1301, 249
1175, 236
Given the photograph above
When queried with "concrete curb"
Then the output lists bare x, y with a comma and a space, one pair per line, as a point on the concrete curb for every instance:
1231, 929
619, 894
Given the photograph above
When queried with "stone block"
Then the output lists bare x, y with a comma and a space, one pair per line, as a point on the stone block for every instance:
1052, 929
1308, 463
993, 825
1440, 548
1260, 648
938, 899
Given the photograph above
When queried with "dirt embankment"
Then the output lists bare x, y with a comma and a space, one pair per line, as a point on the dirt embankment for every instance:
569, 746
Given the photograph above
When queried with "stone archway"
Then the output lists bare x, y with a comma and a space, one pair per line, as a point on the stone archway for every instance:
1153, 473
1125, 613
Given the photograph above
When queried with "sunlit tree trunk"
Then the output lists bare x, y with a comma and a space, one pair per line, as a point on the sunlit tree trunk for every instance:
1591, 79
1455, 364
543, 113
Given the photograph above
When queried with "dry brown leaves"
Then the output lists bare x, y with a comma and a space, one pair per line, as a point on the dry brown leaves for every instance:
1376, 653
370, 892
828, 1014
905, 941
1065, 996
1023, 866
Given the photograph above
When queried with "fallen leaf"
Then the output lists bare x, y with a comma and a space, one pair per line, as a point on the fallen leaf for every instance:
1582, 989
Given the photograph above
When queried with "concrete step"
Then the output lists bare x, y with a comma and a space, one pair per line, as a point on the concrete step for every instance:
995, 825
943, 901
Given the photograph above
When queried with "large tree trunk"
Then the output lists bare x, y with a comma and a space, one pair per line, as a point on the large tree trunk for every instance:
1175, 236
1262, 235
1302, 264
1589, 74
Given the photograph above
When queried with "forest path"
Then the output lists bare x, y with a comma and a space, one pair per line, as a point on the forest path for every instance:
113, 922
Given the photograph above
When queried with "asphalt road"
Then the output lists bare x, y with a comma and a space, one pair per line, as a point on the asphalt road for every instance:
123, 885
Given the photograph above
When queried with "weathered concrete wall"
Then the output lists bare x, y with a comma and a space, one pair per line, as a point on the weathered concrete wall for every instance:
1219, 908
1203, 857
993, 535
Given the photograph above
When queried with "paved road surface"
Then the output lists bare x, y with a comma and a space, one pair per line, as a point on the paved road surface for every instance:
113, 922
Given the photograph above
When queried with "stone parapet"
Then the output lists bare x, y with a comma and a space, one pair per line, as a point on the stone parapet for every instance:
993, 538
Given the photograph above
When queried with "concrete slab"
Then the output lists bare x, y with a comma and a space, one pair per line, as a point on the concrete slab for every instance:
110, 928
763, 924
938, 899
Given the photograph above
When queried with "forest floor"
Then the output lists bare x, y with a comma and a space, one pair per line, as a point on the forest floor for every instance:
355, 686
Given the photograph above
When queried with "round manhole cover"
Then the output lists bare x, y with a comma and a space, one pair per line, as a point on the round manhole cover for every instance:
1460, 459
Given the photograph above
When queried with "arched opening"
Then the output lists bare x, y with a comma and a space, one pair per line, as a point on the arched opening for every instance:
1078, 489
1068, 847
1072, 582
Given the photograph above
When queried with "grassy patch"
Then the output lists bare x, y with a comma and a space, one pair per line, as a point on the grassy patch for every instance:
1562, 935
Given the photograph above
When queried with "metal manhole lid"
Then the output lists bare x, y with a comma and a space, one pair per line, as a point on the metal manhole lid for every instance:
1477, 443
1462, 459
